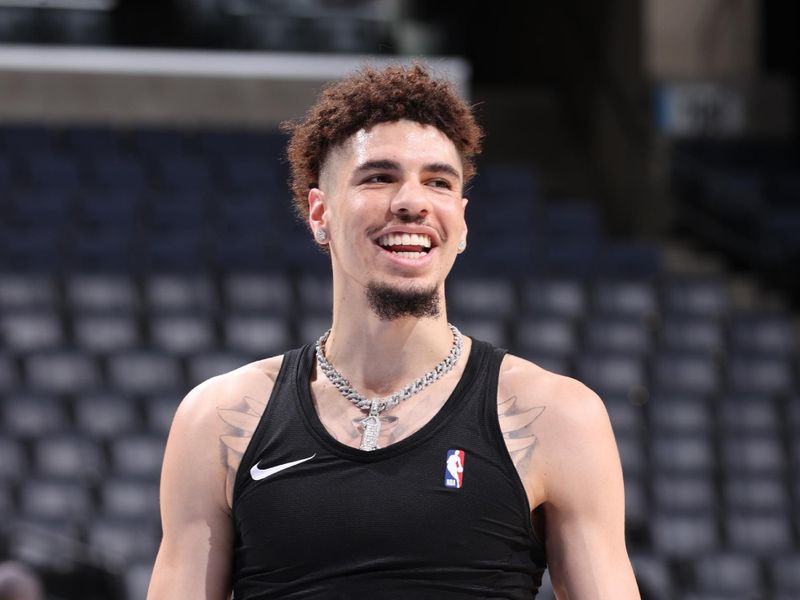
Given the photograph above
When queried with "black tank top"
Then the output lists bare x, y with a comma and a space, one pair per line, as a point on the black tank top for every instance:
334, 522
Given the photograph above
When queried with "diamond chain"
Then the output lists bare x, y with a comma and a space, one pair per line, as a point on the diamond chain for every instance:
379, 405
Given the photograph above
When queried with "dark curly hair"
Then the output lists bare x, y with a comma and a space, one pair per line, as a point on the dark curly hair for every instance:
365, 99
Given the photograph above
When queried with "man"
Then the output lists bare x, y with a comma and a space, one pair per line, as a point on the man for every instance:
325, 472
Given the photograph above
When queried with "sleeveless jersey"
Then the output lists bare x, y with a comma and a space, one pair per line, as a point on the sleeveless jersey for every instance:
441, 514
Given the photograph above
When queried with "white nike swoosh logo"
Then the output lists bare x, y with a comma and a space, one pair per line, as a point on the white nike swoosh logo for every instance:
258, 474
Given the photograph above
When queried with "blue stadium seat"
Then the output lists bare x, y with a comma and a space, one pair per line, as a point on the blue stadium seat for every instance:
144, 371
316, 294
258, 292
184, 172
165, 292
55, 499
14, 467
680, 414
29, 416
737, 574
62, 372
181, 333
553, 336
68, 456
753, 454
566, 297
615, 334
210, 364
748, 414
691, 493
137, 456
9, 374
697, 296
694, 334
611, 372
50, 207
625, 298
30, 331
118, 171
57, 171
785, 574
27, 291
101, 292
684, 535
685, 454
123, 498
760, 374
633, 259
104, 333
255, 335
105, 415
770, 334
489, 297
756, 493
766, 534
685, 372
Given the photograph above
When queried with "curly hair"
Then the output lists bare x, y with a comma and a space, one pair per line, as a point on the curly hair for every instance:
365, 99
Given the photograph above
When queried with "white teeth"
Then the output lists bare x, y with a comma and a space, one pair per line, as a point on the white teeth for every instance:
405, 239
410, 254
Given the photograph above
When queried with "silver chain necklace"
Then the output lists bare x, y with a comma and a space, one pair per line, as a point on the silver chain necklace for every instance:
371, 424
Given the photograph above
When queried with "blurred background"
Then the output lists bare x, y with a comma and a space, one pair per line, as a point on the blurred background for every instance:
635, 223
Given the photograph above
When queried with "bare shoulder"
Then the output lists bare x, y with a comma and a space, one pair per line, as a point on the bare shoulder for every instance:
548, 420
224, 412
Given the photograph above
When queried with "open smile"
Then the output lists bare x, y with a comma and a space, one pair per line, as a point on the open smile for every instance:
406, 245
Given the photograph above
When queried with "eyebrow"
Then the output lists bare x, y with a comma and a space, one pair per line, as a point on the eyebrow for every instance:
391, 165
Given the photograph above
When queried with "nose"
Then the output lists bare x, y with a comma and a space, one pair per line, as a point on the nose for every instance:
411, 201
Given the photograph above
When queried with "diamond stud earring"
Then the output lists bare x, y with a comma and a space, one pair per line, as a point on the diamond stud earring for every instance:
462, 245
321, 235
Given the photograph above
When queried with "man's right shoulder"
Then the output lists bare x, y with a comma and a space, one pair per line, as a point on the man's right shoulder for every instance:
250, 385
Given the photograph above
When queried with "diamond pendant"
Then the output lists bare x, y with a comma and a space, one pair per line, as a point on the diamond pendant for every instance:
371, 427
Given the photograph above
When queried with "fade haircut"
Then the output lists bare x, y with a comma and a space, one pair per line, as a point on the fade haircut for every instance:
367, 98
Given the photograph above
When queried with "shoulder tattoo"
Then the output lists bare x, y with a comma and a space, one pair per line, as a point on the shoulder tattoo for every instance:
516, 425
241, 421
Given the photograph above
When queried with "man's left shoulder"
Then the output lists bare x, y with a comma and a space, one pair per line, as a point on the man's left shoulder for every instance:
532, 385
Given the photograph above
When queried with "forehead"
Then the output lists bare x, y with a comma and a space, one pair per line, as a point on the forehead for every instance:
407, 142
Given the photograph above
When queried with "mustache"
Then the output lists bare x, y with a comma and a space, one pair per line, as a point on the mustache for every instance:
401, 220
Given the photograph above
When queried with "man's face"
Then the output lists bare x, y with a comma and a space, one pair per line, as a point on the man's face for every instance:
392, 205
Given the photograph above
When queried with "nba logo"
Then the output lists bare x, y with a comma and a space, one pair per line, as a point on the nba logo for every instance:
454, 469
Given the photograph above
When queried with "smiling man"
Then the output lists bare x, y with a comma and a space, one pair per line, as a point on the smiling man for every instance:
395, 457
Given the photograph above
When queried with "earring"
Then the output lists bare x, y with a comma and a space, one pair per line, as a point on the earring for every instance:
321, 235
462, 245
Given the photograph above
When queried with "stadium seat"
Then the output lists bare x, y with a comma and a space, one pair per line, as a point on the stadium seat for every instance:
144, 371
697, 296
632, 455
675, 492
748, 414
684, 535
653, 575
109, 292
122, 541
254, 335
481, 297
137, 456
611, 373
753, 454
626, 418
68, 456
179, 292
55, 499
486, 329
106, 333
768, 534
27, 291
105, 415
684, 372
14, 465
761, 374
566, 298
680, 414
204, 365
316, 295
62, 372
609, 334
30, 331
159, 410
785, 574
553, 335
130, 499
738, 574
32, 415
769, 334
182, 333
685, 454
269, 293
693, 334
756, 493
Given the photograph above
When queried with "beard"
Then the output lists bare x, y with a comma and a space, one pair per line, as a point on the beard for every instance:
390, 303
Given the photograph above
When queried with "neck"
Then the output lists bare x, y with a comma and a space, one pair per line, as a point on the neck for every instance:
380, 357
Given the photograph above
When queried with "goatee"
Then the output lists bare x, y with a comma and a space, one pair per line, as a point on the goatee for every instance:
390, 303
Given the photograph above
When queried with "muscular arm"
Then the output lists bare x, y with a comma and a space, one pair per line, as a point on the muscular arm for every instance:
574, 474
209, 434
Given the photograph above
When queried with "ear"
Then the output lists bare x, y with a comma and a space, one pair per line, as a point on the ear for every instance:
316, 209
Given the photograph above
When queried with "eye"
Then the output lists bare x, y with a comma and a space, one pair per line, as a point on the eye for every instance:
440, 183
378, 178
